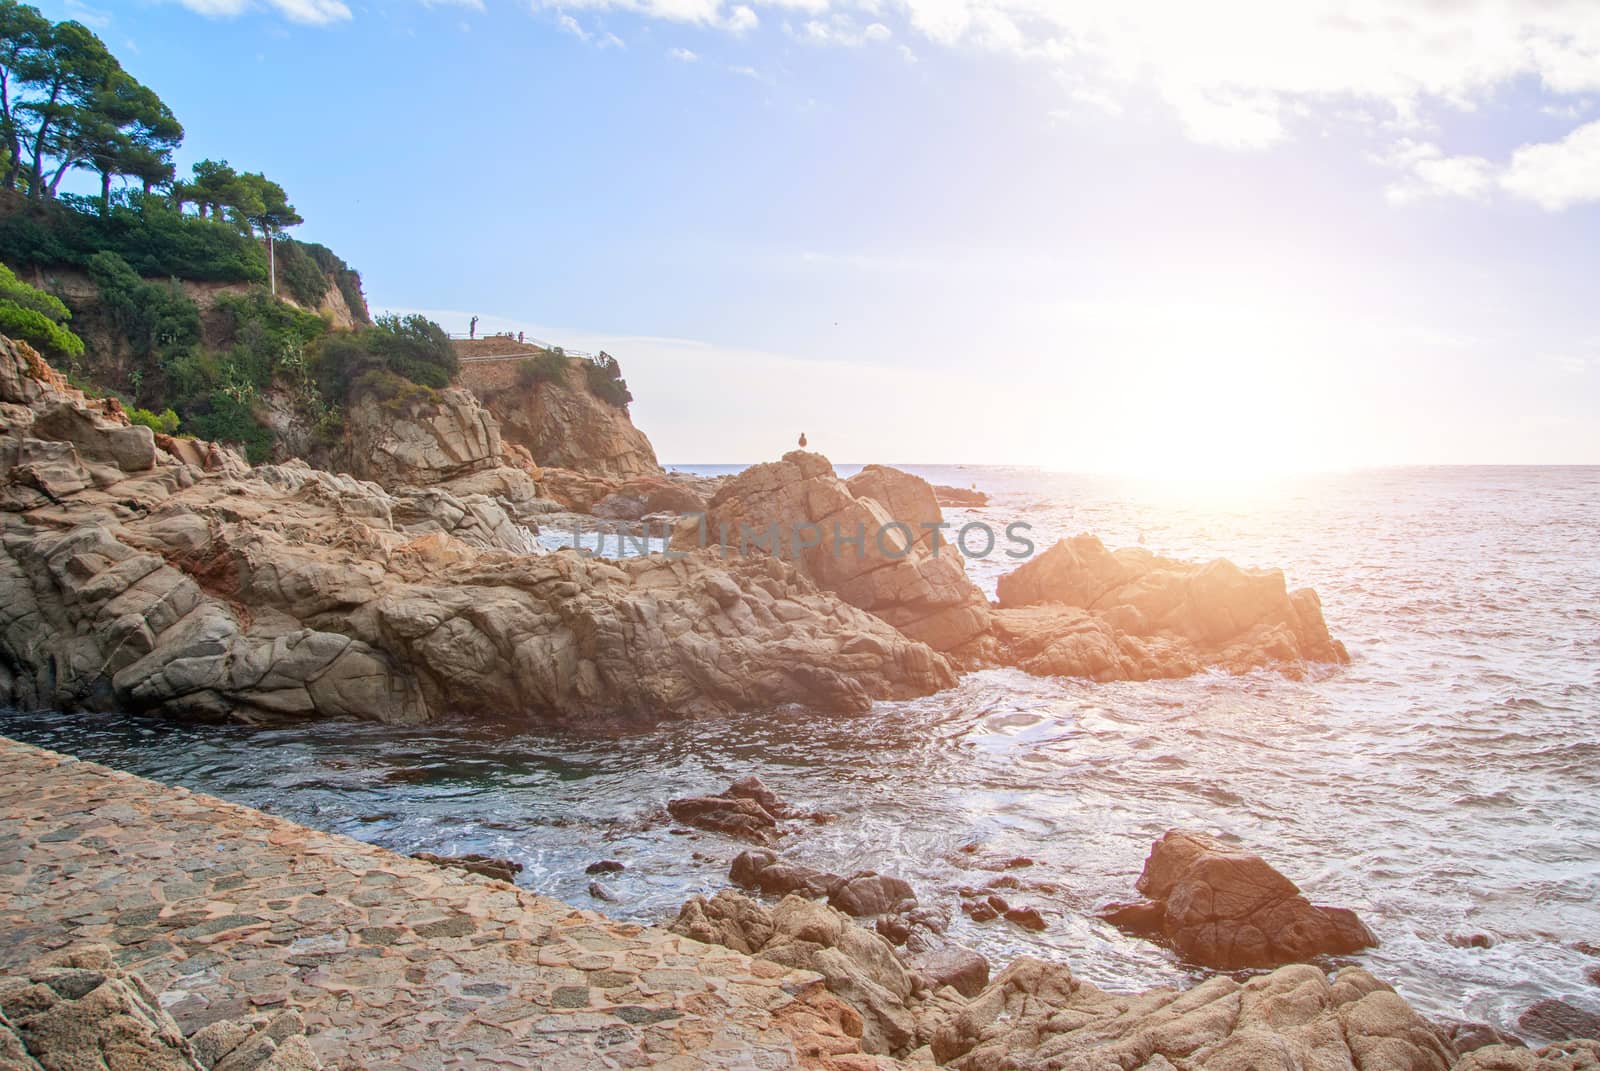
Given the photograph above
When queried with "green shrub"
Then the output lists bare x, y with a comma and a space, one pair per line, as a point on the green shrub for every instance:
165, 422
231, 419
604, 377
30, 314
546, 367
147, 232
299, 274
413, 348
346, 278
160, 322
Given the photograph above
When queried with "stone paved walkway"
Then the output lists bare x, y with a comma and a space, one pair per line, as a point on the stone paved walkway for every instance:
393, 962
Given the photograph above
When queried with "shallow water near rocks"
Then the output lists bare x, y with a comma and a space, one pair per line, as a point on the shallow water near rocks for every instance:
1444, 785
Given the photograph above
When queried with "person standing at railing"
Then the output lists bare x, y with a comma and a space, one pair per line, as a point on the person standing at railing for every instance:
472, 328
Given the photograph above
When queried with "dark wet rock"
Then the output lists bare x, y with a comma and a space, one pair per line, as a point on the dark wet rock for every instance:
1471, 940
768, 872
1226, 908
964, 970
742, 818
473, 863
869, 893
1557, 1020
746, 809
1468, 1037
605, 866
1026, 917
896, 929
979, 911
600, 892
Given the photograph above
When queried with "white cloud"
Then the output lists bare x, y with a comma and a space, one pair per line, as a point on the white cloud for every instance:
839, 30
1553, 175
310, 12
1559, 174
736, 18
683, 55
1234, 72
572, 26
1428, 172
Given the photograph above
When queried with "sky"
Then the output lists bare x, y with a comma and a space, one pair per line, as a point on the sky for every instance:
1151, 235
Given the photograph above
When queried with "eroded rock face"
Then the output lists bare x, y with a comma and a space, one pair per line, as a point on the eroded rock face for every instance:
76, 1010
1081, 610
856, 965
1227, 909
561, 423
283, 591
1037, 1016
896, 573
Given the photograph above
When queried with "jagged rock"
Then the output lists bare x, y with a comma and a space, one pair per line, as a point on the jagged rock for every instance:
1083, 611
425, 439
868, 893
1226, 908
473, 863
1469, 1037
74, 1010
283, 591
963, 497
605, 866
964, 970
646, 495
768, 872
799, 510
747, 808
743, 818
1557, 1020
1037, 1016
859, 967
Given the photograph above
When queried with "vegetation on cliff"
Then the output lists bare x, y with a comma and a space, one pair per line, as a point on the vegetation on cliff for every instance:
28, 313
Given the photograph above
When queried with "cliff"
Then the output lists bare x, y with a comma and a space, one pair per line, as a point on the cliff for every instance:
157, 574
560, 421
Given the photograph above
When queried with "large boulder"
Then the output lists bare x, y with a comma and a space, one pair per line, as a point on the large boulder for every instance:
1079, 609
876, 553
1227, 909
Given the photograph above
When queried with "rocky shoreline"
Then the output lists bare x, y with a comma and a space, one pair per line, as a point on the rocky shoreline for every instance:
149, 573
151, 927
164, 575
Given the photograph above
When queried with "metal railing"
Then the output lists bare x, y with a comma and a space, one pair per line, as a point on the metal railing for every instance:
526, 340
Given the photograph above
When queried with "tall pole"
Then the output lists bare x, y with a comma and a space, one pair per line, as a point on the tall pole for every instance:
272, 263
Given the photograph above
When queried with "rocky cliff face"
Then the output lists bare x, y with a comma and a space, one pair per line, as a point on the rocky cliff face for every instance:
560, 422
180, 580
865, 540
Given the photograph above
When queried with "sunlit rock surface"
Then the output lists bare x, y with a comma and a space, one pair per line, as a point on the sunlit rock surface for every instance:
1081, 610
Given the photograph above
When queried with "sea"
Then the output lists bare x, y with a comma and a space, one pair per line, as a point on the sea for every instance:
1445, 784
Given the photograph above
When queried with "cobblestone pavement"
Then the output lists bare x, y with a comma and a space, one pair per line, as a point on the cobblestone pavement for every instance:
394, 963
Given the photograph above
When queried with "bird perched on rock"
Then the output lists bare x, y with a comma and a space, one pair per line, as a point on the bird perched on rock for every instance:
802, 440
